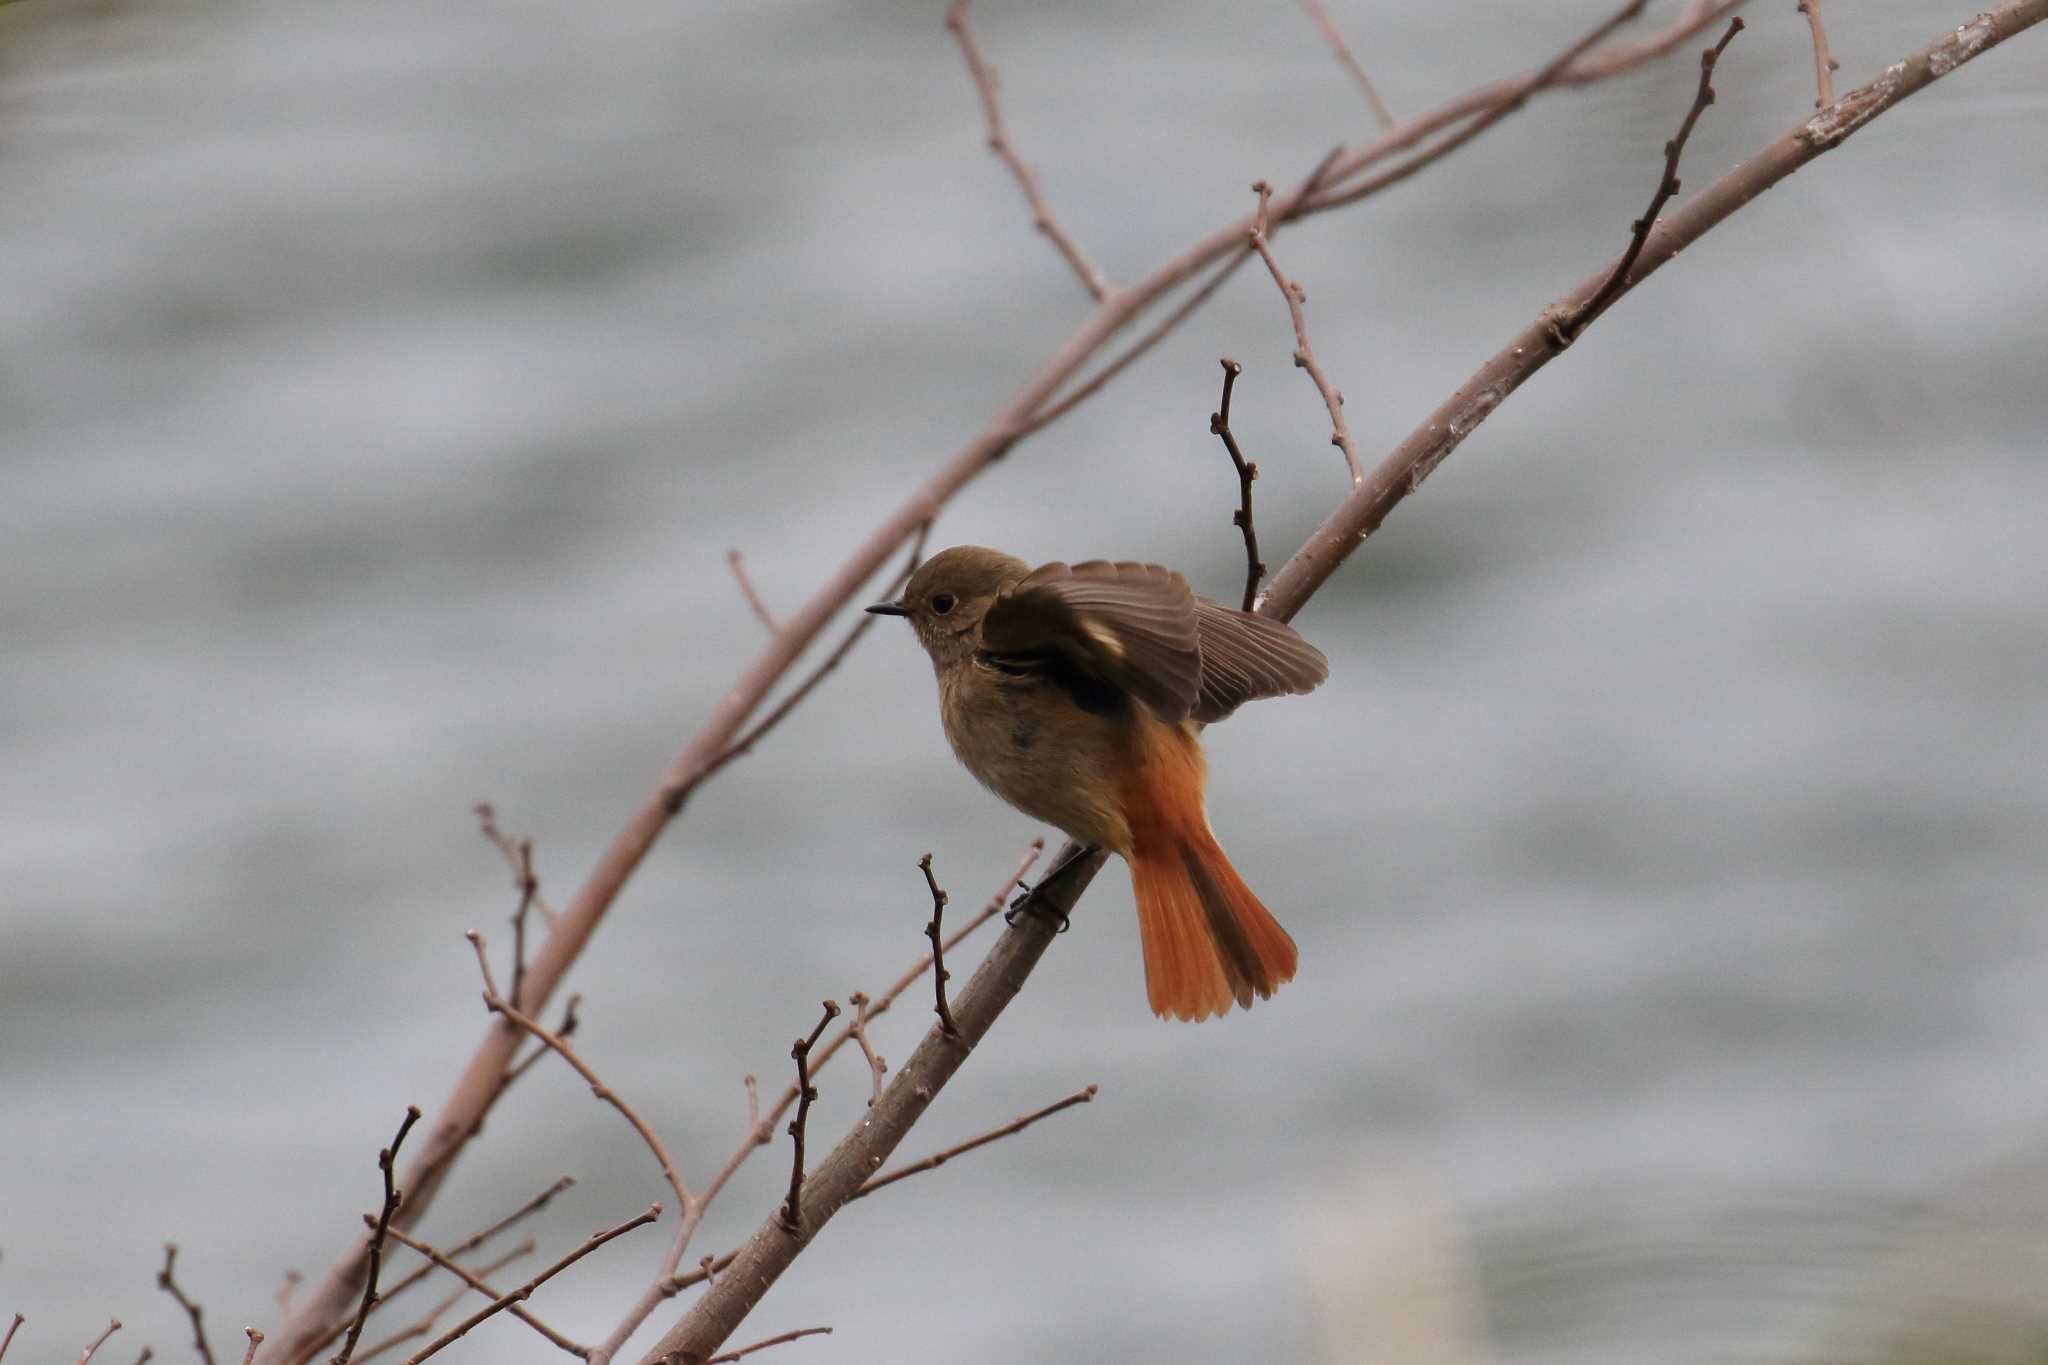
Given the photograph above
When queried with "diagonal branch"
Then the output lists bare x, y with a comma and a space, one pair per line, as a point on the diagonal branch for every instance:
1319, 13
771, 1250
166, 1280
478, 1283
984, 75
1304, 354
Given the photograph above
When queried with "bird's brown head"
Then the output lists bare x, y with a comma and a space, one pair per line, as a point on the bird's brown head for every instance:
949, 594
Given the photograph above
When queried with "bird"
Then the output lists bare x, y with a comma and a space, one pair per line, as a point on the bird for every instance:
1076, 692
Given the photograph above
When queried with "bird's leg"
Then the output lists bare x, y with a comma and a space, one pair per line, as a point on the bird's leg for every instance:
1027, 901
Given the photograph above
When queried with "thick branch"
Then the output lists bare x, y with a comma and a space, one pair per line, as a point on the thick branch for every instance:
693, 1339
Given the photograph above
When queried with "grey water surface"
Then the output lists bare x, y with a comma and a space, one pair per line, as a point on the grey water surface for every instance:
381, 387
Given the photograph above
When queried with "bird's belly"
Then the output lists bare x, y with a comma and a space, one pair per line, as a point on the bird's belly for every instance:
1029, 744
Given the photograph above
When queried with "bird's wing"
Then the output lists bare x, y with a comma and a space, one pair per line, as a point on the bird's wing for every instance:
1246, 657
1131, 625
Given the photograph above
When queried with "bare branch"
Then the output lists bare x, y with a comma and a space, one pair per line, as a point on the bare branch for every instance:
525, 1291
166, 1282
565, 1029
283, 1295
255, 1340
12, 1328
433, 1315
392, 1196
1667, 189
938, 1159
772, 1248
933, 932
560, 1046
97, 1342
1304, 354
766, 1342
523, 880
1556, 71
329, 1299
476, 1282
471, 1243
792, 1207
1320, 14
1219, 425
760, 608
1824, 63
876, 1065
984, 75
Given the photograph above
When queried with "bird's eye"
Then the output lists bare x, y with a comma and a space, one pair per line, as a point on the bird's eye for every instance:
942, 603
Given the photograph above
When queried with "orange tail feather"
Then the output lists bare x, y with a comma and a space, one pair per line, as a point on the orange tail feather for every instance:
1208, 941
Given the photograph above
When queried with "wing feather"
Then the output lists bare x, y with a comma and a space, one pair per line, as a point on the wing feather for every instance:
1132, 625
1246, 657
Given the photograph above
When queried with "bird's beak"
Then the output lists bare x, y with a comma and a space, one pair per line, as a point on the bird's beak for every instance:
888, 609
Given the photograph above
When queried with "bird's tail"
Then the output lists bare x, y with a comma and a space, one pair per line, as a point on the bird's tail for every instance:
1208, 941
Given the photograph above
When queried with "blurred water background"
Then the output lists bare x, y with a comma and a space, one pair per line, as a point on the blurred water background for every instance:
384, 383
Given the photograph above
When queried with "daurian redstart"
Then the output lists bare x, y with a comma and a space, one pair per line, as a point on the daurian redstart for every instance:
1075, 693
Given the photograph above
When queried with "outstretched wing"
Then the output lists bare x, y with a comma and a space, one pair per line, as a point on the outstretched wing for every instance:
1246, 657
1131, 625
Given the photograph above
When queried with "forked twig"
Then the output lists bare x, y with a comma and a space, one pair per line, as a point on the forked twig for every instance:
426, 1322
560, 1046
1219, 425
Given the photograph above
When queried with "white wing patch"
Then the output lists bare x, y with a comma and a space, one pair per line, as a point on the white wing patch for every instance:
1106, 638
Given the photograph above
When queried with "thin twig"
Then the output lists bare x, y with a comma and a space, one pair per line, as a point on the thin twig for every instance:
1667, 189
985, 83
255, 1340
938, 1159
166, 1282
1321, 15
760, 608
1824, 63
677, 795
476, 1281
12, 1328
876, 1065
1219, 425
99, 1341
509, 848
283, 1295
933, 931
792, 1207
565, 1029
471, 1243
560, 1046
392, 1196
433, 1315
525, 1291
148, 1352
765, 1342
528, 886
1304, 354
1514, 97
